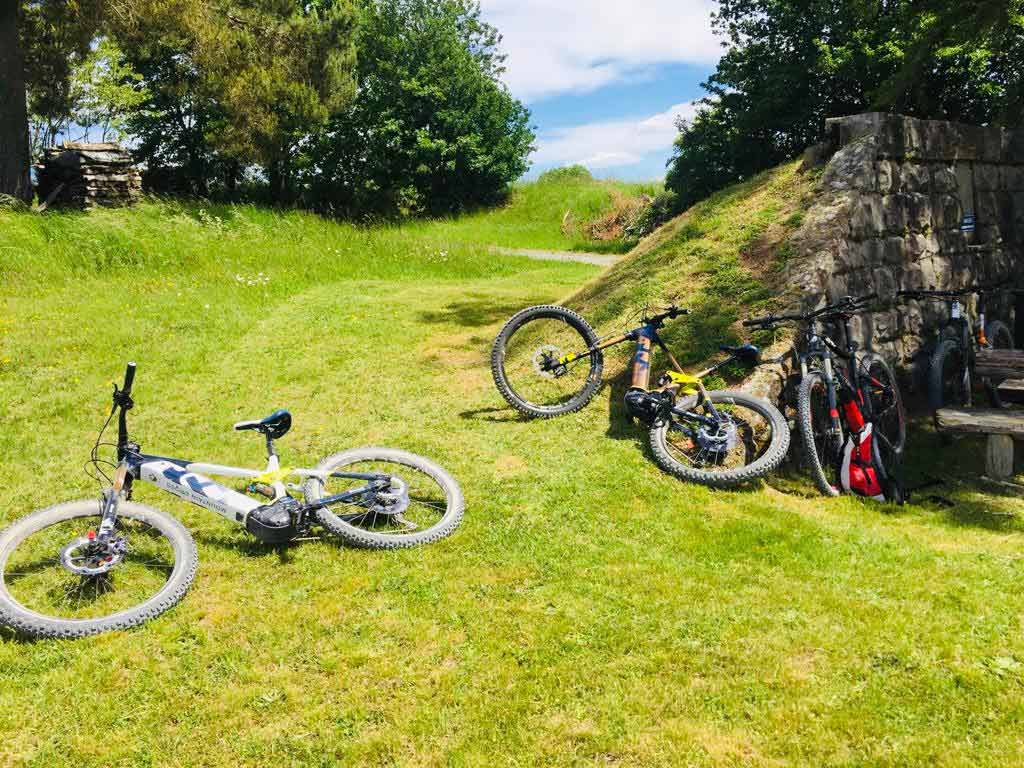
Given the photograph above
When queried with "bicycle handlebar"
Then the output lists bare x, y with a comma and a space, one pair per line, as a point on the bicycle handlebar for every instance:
919, 293
670, 313
129, 378
848, 304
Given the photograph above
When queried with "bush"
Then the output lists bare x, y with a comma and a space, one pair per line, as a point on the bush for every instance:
658, 211
566, 174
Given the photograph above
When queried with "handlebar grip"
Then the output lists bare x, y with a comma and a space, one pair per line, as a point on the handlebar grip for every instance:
129, 378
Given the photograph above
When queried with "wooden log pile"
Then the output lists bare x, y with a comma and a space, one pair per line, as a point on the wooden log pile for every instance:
83, 175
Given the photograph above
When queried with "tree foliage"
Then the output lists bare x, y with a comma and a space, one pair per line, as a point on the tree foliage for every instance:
245, 81
789, 64
433, 129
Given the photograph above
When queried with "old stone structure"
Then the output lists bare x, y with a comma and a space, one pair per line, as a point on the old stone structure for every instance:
907, 203
82, 175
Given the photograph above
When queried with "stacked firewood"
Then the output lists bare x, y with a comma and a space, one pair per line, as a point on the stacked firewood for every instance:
81, 175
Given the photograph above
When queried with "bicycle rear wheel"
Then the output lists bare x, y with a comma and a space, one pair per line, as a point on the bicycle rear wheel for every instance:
52, 584
999, 337
887, 408
525, 362
423, 504
748, 440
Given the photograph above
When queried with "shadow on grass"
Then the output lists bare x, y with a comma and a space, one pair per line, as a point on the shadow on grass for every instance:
475, 312
490, 414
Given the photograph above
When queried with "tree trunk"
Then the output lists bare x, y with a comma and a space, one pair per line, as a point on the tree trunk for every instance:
14, 153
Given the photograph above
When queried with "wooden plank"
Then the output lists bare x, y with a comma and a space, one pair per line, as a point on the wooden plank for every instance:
1012, 385
980, 421
999, 457
999, 364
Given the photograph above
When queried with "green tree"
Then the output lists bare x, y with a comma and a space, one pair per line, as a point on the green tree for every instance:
253, 78
432, 130
790, 64
105, 91
40, 40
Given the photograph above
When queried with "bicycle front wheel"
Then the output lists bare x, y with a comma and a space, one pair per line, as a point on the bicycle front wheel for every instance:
747, 440
822, 447
949, 381
53, 582
423, 503
527, 368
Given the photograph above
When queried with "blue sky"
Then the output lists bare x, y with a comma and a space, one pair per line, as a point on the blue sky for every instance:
606, 79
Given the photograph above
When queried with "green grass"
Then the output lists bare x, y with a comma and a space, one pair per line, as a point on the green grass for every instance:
536, 213
589, 611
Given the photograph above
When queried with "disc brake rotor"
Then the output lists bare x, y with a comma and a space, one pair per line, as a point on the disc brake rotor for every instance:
86, 557
725, 438
393, 501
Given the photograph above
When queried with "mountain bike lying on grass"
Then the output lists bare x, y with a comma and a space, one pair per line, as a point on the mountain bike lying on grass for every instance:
547, 361
952, 363
852, 422
85, 567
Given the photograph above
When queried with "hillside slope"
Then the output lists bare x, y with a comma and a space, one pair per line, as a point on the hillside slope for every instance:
721, 259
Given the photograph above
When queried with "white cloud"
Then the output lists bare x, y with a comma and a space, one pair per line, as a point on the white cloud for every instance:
611, 143
580, 45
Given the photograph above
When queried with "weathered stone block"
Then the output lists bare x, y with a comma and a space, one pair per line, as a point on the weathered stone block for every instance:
987, 206
867, 220
943, 178
934, 272
919, 211
1013, 146
1013, 178
895, 250
887, 282
922, 245
886, 324
894, 213
915, 177
946, 212
986, 177
992, 145
886, 176
969, 143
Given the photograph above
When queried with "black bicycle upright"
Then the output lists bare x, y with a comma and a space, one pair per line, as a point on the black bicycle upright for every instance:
952, 362
840, 401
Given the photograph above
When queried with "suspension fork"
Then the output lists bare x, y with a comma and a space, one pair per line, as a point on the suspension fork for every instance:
111, 499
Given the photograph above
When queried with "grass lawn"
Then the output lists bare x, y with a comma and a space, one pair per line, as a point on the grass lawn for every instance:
589, 611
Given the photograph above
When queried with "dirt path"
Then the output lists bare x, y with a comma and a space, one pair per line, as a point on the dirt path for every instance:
600, 259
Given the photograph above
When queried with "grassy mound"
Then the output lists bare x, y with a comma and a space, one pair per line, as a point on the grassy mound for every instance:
720, 259
563, 210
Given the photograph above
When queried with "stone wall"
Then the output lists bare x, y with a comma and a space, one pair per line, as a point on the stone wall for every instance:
895, 192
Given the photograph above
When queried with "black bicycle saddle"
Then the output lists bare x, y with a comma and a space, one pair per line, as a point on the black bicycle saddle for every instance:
274, 426
748, 353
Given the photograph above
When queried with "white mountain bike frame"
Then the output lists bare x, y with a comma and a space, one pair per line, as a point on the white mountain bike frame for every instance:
190, 481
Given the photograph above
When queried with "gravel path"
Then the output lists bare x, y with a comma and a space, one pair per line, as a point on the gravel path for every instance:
600, 259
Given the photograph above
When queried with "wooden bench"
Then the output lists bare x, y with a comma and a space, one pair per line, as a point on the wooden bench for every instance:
1012, 391
999, 364
1001, 427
